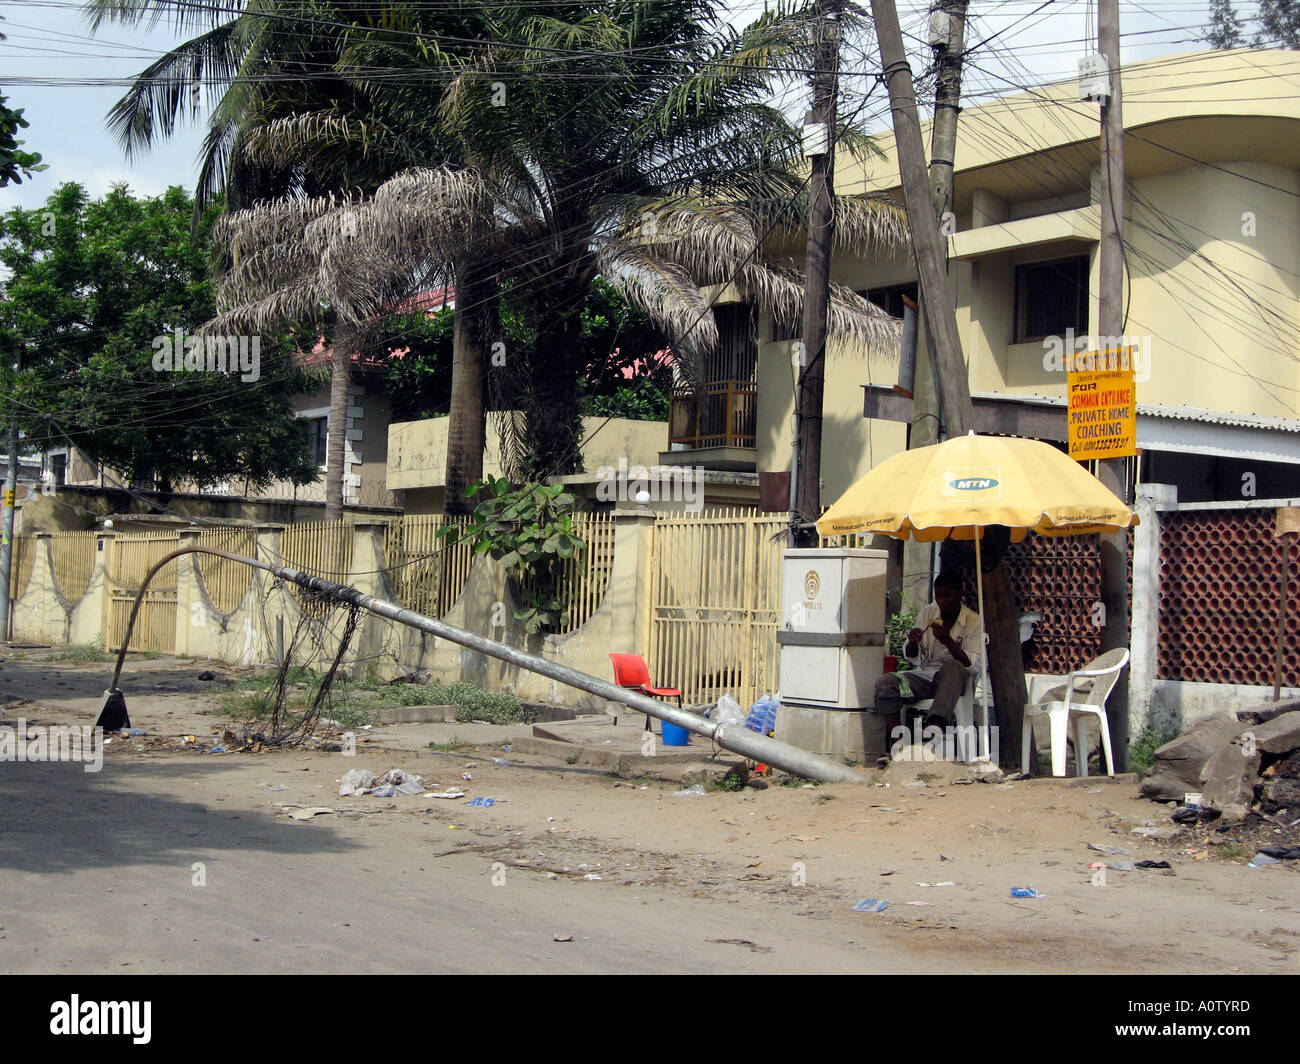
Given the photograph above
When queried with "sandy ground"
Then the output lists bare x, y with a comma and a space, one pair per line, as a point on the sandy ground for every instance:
99, 872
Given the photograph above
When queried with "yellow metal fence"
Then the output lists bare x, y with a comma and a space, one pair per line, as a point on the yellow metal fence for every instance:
427, 573
717, 602
226, 582
73, 555
130, 557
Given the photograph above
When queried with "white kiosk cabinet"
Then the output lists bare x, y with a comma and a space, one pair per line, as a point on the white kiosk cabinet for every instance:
832, 639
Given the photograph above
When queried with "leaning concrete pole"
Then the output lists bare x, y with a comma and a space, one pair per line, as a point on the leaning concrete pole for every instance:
924, 430
735, 737
1006, 668
1113, 472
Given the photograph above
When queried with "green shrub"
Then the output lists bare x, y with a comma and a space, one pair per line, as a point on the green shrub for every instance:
1141, 751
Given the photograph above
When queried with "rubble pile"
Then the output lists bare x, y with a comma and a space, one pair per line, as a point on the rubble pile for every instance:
1250, 765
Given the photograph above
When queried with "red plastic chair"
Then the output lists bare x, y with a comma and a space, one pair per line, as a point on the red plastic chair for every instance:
631, 671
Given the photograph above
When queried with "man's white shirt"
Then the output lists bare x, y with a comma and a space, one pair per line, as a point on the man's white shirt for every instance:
968, 633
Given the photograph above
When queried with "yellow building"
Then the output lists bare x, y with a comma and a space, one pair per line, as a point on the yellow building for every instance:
1212, 246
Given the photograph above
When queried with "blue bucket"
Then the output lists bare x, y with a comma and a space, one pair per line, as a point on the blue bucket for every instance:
673, 735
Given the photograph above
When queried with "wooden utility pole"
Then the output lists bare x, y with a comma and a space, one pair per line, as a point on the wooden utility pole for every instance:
806, 466
1005, 668
1113, 472
947, 39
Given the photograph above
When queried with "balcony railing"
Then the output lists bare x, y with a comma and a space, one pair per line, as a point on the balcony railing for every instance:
721, 414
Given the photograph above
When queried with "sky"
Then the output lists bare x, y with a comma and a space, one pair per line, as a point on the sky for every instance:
66, 80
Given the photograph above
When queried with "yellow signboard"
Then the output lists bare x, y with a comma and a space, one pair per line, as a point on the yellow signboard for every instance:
1103, 404
1288, 521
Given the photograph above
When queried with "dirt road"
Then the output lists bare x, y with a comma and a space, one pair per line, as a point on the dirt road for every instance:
175, 861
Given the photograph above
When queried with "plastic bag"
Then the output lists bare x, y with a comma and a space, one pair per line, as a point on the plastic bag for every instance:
357, 781
729, 711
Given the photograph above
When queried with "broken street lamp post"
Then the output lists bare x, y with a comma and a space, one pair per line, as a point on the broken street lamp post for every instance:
1006, 670
732, 737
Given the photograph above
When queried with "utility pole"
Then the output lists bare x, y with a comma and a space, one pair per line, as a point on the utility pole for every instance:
819, 144
7, 543
1113, 472
947, 40
1005, 668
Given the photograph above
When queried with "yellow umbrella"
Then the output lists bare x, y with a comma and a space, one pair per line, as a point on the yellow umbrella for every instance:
956, 488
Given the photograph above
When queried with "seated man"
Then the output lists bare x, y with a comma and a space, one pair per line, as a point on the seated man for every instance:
948, 640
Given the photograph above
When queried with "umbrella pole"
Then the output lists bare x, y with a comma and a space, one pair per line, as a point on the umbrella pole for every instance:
984, 656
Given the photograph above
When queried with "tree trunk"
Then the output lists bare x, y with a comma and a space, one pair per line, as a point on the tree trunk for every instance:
340, 376
553, 429
1006, 664
466, 432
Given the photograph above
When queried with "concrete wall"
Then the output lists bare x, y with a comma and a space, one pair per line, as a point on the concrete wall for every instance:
77, 507
269, 616
417, 452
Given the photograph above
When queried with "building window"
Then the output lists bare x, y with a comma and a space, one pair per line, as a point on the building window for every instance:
320, 431
58, 469
1051, 297
890, 299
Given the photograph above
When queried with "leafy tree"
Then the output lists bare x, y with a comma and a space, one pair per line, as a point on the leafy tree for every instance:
1277, 25
98, 296
529, 530
15, 164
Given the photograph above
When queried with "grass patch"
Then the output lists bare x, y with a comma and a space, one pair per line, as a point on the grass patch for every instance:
253, 698
472, 703
80, 655
451, 746
352, 705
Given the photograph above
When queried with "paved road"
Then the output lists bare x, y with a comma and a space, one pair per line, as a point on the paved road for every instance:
96, 876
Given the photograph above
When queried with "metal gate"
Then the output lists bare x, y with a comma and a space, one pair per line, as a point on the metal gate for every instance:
130, 557
717, 591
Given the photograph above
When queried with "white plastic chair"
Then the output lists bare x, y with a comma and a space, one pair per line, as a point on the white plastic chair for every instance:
1085, 693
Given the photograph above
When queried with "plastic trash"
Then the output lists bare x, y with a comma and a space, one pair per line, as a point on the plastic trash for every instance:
500, 761
1025, 892
1154, 864
411, 787
691, 791
762, 715
1260, 860
1102, 848
483, 803
384, 790
356, 781
729, 711
217, 750
467, 776
137, 731
871, 905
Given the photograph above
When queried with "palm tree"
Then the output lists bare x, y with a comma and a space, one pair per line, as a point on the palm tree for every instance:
286, 123
634, 139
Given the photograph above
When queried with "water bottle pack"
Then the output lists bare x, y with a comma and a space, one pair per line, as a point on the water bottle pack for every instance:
762, 715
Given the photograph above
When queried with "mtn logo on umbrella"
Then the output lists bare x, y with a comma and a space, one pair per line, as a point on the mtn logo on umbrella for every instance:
956, 482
